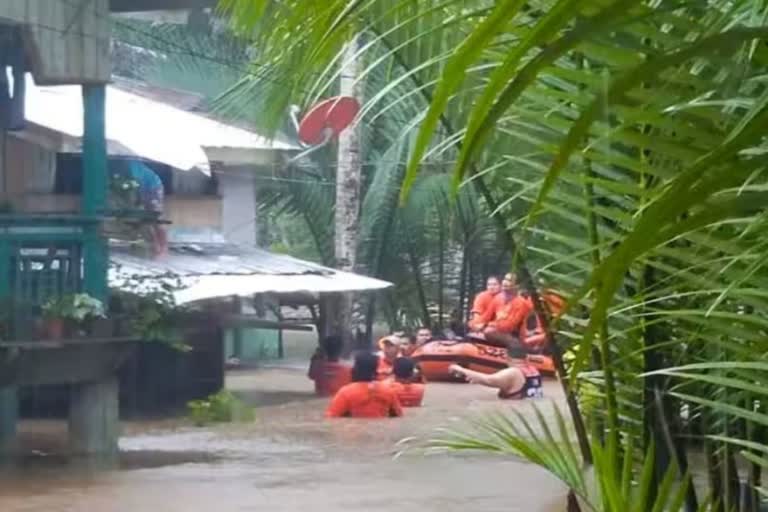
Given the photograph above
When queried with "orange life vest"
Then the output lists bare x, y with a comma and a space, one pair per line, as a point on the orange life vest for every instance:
480, 306
509, 313
410, 394
365, 400
329, 376
385, 368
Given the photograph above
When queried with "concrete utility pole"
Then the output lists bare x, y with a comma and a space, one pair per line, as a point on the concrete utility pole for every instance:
348, 179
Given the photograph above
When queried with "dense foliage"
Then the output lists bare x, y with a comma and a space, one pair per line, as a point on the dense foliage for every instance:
623, 143
437, 256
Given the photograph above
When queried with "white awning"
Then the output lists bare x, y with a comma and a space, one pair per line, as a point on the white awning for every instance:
141, 127
199, 272
213, 287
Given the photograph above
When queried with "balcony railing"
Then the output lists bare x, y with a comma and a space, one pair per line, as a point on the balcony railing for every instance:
41, 257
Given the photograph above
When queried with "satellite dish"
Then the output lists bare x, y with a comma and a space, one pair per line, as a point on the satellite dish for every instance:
325, 121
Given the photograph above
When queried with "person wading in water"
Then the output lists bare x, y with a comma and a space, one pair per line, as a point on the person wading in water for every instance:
365, 397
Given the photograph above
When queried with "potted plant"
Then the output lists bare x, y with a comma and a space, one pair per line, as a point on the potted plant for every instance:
123, 192
61, 312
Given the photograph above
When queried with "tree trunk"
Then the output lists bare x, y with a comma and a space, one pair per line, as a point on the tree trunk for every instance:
348, 178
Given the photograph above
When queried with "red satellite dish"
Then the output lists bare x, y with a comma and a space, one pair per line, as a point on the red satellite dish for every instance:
327, 119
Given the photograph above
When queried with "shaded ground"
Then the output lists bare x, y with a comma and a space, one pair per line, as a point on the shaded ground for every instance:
290, 459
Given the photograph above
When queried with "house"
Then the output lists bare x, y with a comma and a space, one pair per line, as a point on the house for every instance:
62, 128
209, 169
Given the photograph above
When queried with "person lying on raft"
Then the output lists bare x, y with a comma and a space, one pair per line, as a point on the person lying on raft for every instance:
482, 304
506, 315
364, 397
406, 382
518, 381
326, 370
390, 349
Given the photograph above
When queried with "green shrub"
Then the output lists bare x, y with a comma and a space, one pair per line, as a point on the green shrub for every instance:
221, 407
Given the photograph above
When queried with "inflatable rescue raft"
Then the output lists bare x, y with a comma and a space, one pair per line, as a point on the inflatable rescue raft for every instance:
436, 357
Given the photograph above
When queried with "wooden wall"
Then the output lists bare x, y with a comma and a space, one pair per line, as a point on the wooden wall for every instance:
26, 168
188, 212
29, 181
68, 41
183, 212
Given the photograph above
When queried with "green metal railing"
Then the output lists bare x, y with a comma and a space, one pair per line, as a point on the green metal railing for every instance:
41, 257
50, 255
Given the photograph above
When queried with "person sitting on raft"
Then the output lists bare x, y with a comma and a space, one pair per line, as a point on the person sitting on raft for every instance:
506, 315
326, 370
482, 304
423, 335
364, 397
409, 346
518, 381
390, 349
408, 386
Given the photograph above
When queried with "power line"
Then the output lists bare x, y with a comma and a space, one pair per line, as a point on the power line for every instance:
189, 52
181, 49
259, 173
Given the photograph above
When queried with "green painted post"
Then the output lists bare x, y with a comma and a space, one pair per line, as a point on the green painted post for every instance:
5, 266
9, 416
94, 418
95, 180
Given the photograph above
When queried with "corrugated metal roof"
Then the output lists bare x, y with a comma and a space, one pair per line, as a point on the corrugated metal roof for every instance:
216, 270
142, 127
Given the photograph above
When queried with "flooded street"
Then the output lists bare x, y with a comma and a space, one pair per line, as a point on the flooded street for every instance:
289, 459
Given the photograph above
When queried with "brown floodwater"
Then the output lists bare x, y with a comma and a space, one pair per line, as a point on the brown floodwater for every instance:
289, 459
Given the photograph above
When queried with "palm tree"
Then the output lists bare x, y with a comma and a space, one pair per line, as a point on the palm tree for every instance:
622, 145
348, 185
434, 272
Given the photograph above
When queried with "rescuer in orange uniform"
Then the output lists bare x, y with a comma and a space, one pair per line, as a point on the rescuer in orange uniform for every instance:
391, 349
506, 315
407, 386
326, 370
482, 304
411, 343
365, 397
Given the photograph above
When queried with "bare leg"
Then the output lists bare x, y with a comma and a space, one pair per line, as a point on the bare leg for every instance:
508, 380
159, 240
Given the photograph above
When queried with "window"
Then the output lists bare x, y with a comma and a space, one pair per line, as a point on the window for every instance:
69, 173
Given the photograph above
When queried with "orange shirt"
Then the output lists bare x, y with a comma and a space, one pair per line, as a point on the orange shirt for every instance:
507, 314
385, 369
480, 307
329, 376
410, 394
365, 400
482, 301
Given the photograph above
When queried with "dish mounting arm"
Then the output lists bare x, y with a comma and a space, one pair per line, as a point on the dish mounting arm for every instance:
327, 136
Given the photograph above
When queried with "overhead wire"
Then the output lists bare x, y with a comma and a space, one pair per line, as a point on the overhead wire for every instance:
168, 46
175, 48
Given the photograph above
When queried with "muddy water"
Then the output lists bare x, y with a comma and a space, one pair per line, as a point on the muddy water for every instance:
288, 460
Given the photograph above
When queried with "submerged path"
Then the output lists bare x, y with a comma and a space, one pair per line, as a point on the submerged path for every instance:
289, 459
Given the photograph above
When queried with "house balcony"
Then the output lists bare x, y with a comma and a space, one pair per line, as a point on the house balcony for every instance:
183, 211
